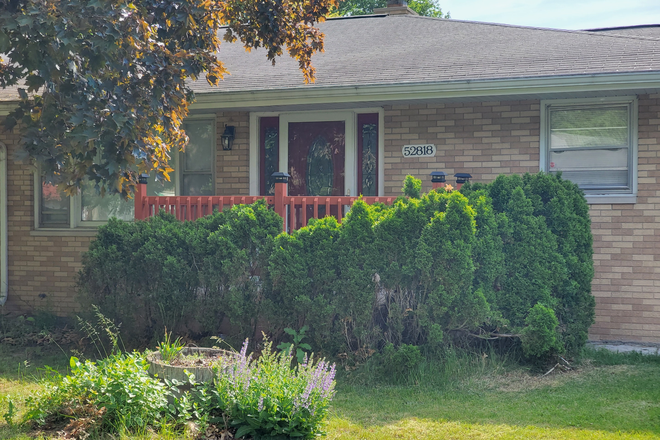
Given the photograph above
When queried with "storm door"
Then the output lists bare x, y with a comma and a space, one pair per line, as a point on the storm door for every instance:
317, 154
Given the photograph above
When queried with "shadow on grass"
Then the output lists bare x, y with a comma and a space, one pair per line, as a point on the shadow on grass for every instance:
618, 393
27, 363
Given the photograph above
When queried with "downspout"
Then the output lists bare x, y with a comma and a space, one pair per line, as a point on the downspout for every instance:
4, 263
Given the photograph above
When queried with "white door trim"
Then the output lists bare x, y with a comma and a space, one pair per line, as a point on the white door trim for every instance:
349, 117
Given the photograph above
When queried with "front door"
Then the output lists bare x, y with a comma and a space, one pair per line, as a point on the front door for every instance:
317, 155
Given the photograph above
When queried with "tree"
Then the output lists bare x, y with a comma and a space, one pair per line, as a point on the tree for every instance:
427, 8
102, 83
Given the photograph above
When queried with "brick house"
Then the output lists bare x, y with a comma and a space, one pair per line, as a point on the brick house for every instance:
400, 94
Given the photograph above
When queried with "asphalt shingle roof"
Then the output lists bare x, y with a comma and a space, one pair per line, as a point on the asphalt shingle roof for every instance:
399, 49
646, 31
396, 49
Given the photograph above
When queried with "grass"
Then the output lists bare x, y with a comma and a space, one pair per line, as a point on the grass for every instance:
609, 396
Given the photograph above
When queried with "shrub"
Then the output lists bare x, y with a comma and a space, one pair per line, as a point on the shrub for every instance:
429, 270
412, 187
303, 283
161, 272
114, 393
267, 398
397, 363
566, 238
539, 337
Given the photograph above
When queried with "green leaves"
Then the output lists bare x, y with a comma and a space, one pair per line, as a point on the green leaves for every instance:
420, 272
428, 8
113, 75
116, 391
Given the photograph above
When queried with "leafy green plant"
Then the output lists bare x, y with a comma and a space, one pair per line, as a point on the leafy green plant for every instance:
297, 346
412, 187
539, 337
162, 272
168, 349
397, 363
430, 270
117, 391
11, 411
268, 398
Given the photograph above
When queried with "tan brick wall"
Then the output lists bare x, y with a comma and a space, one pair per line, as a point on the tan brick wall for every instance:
489, 138
232, 167
43, 265
484, 139
627, 247
42, 268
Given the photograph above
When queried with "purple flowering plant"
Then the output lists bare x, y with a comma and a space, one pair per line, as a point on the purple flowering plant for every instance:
267, 397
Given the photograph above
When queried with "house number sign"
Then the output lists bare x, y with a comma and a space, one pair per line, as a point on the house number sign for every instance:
425, 150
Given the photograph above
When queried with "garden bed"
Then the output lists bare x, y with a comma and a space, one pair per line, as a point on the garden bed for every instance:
194, 360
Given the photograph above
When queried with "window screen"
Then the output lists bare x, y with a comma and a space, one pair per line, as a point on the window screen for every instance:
592, 147
198, 160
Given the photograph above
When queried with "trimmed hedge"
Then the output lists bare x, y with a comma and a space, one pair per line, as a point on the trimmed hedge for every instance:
512, 257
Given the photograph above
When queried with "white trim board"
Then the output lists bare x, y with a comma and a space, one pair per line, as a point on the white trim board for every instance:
625, 83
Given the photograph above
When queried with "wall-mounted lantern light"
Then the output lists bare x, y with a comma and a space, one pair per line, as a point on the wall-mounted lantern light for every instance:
228, 137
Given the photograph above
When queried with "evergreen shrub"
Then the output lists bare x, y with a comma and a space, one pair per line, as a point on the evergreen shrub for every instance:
505, 259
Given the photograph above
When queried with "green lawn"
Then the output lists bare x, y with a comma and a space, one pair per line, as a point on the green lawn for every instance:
619, 401
604, 402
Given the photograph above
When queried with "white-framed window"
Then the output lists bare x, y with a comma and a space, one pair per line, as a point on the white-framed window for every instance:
194, 174
593, 143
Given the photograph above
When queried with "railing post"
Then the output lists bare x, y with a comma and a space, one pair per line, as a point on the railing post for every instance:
281, 191
438, 179
462, 178
140, 194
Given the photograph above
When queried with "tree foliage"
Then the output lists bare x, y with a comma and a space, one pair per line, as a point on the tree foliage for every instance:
104, 84
427, 8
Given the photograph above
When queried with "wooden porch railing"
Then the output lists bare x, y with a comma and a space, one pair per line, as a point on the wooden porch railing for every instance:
295, 210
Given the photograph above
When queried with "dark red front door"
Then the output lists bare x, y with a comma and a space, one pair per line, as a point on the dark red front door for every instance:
316, 158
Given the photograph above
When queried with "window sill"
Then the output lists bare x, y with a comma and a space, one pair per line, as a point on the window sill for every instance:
618, 199
79, 232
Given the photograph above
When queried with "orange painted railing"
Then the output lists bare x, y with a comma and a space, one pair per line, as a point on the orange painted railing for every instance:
190, 207
295, 210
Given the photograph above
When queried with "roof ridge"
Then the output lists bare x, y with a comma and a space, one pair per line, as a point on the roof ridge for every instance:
517, 26
353, 17
633, 26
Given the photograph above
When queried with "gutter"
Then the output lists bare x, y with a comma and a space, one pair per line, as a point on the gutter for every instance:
447, 90
4, 263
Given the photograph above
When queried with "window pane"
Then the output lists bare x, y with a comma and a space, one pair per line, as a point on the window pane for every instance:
197, 185
199, 151
271, 157
594, 180
369, 158
54, 206
367, 143
162, 188
593, 168
600, 127
97, 208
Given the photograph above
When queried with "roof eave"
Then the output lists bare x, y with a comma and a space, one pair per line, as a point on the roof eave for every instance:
542, 86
